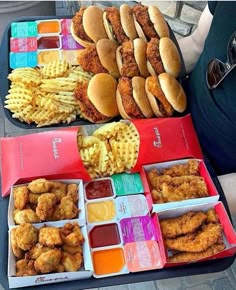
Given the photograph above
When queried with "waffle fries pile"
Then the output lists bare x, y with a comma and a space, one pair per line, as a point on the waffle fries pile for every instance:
112, 148
45, 96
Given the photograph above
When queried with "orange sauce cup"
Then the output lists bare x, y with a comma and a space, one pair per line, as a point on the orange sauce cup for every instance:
108, 261
50, 26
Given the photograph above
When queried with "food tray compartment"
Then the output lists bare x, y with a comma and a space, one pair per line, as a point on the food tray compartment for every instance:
5, 70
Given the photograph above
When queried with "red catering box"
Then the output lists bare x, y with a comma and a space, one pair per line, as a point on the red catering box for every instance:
229, 234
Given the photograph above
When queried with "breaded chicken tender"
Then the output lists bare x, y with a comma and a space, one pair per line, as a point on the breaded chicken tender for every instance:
45, 206
211, 216
36, 251
48, 262
184, 187
191, 257
50, 236
17, 251
25, 268
26, 236
196, 242
181, 225
25, 216
190, 168
21, 196
71, 262
40, 185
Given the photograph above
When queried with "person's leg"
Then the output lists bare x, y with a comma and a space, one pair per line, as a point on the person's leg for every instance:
228, 183
10, 10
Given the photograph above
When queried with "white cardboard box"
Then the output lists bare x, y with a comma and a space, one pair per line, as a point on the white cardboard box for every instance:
81, 220
213, 194
84, 273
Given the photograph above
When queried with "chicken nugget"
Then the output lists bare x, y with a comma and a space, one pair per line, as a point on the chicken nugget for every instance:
36, 251
60, 268
48, 262
33, 198
57, 214
25, 268
59, 189
25, 216
71, 262
72, 191
71, 235
40, 185
17, 251
68, 208
72, 250
50, 236
26, 236
46, 204
21, 196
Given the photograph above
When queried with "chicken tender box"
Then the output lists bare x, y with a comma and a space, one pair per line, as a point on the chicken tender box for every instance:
177, 181
227, 238
84, 272
34, 211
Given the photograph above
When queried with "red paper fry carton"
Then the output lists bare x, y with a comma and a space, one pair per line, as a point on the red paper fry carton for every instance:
228, 235
164, 139
52, 154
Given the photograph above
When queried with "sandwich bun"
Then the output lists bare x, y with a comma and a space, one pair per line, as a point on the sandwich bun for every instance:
139, 30
139, 57
102, 93
106, 50
165, 95
158, 21
127, 21
136, 104
173, 91
82, 42
168, 55
107, 26
93, 23
156, 18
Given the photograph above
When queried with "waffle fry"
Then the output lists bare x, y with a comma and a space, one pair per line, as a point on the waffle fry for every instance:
55, 69
109, 130
58, 85
79, 74
28, 76
45, 96
108, 150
